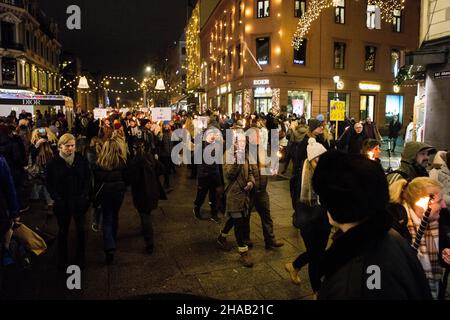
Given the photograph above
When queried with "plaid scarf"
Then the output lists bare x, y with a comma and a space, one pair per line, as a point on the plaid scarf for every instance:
428, 253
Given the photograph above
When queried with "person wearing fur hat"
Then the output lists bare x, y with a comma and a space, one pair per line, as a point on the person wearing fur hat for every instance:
314, 227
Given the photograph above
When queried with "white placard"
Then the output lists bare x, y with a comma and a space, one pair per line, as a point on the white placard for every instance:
145, 110
161, 114
123, 110
100, 113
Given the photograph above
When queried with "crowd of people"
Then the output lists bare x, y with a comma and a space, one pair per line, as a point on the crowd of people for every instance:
336, 184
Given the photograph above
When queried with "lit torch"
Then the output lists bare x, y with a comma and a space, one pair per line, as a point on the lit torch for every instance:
371, 155
423, 203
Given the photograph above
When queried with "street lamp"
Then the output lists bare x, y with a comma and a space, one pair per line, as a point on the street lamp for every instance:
106, 93
336, 80
117, 102
83, 84
160, 86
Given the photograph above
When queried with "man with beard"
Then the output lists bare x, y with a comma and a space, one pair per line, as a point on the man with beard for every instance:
414, 162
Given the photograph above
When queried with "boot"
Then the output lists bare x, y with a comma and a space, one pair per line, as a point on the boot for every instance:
249, 243
274, 244
246, 260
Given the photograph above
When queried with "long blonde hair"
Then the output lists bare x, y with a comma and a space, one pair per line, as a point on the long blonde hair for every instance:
113, 155
51, 137
410, 192
44, 155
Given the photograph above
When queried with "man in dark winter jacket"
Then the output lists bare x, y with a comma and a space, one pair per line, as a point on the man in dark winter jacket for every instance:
369, 260
414, 161
68, 182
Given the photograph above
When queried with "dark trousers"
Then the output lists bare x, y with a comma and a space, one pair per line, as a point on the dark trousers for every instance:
240, 229
261, 202
315, 237
167, 162
64, 219
111, 203
147, 228
209, 186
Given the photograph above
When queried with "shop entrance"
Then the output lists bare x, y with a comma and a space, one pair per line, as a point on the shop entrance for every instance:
263, 105
367, 106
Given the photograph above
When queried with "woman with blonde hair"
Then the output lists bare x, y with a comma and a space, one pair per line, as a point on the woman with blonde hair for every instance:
109, 188
408, 194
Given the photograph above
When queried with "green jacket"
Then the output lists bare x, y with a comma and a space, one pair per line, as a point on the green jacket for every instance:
236, 178
408, 167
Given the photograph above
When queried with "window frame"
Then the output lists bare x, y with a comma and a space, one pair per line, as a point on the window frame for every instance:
344, 55
264, 2
305, 51
397, 25
366, 57
269, 49
296, 11
339, 14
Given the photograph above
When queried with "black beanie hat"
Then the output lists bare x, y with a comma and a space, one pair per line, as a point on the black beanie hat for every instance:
351, 187
314, 124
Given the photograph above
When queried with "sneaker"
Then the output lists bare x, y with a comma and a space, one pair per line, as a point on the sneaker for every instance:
274, 244
223, 243
246, 260
197, 213
289, 267
249, 243
27, 208
95, 227
215, 219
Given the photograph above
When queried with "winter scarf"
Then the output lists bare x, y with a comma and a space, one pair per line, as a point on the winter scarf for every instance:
68, 159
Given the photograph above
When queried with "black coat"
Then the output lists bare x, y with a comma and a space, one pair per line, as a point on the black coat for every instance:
108, 182
394, 129
143, 176
356, 142
68, 185
346, 262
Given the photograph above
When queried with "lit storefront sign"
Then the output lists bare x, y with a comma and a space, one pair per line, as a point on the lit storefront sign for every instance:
369, 86
263, 82
263, 92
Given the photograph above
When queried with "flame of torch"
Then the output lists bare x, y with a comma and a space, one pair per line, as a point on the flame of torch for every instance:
371, 155
423, 203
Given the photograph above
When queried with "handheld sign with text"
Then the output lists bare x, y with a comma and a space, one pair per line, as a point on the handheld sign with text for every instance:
161, 114
100, 113
337, 110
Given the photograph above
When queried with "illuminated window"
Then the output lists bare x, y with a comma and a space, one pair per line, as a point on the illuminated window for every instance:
263, 50
339, 13
299, 8
371, 52
373, 17
397, 21
263, 9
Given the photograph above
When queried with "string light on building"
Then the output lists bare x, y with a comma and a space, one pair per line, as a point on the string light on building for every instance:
315, 7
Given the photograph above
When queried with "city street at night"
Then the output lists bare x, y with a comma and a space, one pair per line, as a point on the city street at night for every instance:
227, 157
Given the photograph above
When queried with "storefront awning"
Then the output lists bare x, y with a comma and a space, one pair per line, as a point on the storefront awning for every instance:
425, 57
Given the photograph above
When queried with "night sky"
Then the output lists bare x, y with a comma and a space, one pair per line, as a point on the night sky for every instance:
119, 37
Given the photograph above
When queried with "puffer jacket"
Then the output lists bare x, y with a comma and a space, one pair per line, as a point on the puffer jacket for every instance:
441, 173
237, 176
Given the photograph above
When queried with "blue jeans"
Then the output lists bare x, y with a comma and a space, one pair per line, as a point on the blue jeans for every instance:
111, 203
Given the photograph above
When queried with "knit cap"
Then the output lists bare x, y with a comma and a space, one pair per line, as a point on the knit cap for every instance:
314, 149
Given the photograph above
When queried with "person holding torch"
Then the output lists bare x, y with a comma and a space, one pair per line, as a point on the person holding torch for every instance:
422, 200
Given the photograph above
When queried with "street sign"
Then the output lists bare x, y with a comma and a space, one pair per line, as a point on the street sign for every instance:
161, 114
100, 113
337, 110
442, 74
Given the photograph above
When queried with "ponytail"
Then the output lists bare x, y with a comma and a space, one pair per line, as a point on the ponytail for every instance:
396, 190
